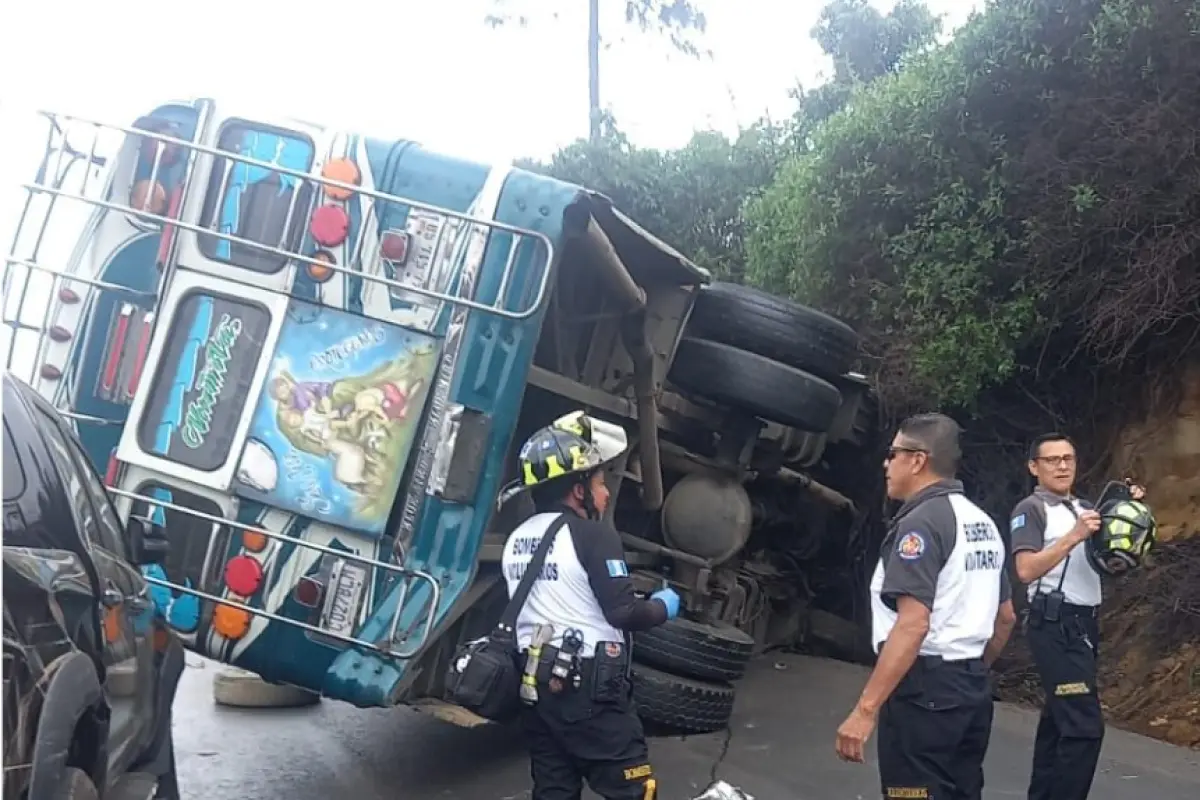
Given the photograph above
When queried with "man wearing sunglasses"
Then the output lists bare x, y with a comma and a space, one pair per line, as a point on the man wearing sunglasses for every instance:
1050, 529
941, 612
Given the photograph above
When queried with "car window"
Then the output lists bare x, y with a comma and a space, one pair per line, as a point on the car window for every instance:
14, 472
93, 511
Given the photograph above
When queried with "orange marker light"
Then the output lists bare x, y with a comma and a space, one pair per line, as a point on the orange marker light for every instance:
112, 625
230, 622
254, 541
319, 272
340, 169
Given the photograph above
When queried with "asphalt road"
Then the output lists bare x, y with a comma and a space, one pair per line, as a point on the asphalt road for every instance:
780, 746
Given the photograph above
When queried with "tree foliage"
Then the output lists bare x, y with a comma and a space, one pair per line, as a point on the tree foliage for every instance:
691, 197
864, 44
1017, 198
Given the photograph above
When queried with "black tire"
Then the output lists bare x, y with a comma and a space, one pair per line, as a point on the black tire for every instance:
77, 785
682, 704
783, 331
756, 384
695, 650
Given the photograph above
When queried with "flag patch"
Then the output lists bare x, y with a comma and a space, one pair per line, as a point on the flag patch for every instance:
617, 569
1017, 522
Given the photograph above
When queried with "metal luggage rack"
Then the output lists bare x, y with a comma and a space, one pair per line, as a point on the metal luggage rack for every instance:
193, 148
384, 646
61, 126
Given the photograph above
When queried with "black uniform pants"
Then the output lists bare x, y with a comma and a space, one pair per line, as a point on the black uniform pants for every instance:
1071, 729
591, 733
933, 732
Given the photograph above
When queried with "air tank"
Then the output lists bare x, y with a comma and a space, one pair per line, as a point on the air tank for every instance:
707, 516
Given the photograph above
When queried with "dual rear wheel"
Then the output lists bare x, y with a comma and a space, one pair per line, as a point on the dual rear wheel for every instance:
773, 359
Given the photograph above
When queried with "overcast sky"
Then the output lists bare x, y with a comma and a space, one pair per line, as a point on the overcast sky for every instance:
422, 69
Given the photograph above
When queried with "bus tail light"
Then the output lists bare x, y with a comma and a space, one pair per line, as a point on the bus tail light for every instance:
308, 592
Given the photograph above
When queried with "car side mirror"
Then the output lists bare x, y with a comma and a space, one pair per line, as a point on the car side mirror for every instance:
148, 542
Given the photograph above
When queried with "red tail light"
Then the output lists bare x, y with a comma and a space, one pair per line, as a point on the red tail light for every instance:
308, 592
243, 575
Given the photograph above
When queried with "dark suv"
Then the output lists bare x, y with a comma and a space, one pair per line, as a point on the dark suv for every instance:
90, 668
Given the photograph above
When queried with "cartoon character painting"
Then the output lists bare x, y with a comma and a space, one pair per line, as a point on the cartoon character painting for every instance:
335, 424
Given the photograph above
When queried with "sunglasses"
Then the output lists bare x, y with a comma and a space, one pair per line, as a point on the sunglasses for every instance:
892, 452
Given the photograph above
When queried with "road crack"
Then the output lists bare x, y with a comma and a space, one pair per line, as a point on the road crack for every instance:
712, 775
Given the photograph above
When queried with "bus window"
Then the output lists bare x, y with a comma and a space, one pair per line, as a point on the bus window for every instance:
255, 203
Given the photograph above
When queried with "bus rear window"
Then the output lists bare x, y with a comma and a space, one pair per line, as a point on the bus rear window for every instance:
252, 202
202, 385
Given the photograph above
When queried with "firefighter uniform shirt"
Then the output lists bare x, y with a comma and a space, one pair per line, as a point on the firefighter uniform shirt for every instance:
1040, 520
584, 584
946, 552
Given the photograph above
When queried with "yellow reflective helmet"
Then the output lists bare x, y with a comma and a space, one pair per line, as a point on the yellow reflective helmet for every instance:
574, 444
1127, 532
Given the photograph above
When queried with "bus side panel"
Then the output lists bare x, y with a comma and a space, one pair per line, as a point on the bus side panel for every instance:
489, 378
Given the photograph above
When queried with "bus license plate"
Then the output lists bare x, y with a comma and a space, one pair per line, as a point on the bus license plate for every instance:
341, 609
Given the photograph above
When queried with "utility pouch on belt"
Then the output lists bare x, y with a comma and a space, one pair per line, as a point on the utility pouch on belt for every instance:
483, 676
610, 681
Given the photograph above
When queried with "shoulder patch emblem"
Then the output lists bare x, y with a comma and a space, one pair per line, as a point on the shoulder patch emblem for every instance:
617, 568
1017, 522
911, 546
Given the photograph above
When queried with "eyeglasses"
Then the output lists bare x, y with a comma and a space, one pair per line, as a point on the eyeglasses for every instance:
895, 451
1055, 461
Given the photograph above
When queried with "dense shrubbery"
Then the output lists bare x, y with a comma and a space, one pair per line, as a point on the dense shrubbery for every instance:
1030, 187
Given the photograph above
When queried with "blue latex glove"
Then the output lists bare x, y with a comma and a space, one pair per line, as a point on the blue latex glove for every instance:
669, 598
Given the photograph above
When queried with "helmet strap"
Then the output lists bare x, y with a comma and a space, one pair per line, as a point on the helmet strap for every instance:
589, 505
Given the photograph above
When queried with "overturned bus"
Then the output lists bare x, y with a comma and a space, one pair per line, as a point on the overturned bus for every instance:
303, 359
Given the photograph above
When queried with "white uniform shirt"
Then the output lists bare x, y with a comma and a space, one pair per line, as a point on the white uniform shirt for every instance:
1040, 520
583, 585
947, 553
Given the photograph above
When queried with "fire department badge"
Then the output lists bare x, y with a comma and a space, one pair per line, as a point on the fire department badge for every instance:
911, 546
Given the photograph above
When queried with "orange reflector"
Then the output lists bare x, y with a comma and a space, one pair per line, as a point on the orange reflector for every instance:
318, 272
230, 622
112, 624
146, 196
254, 541
340, 169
